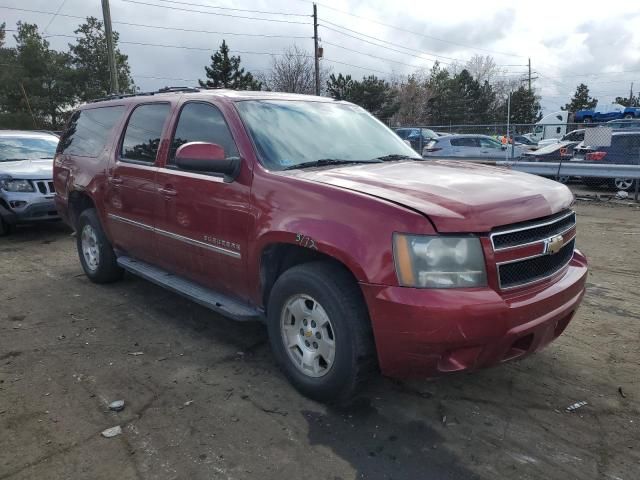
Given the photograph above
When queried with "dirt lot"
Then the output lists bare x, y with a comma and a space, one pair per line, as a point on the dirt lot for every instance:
205, 399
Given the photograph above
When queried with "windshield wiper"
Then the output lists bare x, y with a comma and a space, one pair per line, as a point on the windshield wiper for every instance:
328, 161
396, 156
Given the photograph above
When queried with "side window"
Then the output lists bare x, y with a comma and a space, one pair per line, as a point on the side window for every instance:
88, 131
202, 122
463, 142
144, 130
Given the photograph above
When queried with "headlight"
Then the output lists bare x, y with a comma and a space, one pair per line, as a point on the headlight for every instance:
16, 185
439, 261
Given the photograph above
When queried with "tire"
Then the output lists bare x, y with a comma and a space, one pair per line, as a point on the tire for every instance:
564, 179
97, 257
624, 184
628, 116
587, 120
304, 297
5, 228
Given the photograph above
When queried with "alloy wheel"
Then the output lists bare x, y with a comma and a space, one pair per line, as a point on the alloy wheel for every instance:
308, 336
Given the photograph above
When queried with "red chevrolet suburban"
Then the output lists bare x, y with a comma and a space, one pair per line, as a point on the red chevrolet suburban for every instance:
309, 214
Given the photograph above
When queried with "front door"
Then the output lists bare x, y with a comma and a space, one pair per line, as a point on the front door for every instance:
202, 221
132, 189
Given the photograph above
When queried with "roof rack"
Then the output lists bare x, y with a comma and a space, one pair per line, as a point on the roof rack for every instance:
117, 96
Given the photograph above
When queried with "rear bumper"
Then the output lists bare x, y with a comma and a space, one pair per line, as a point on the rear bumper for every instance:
421, 332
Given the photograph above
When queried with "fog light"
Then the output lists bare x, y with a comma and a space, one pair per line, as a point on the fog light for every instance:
17, 203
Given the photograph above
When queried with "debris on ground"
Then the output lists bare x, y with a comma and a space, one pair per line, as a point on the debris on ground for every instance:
575, 406
112, 432
621, 195
621, 392
187, 403
117, 405
135, 354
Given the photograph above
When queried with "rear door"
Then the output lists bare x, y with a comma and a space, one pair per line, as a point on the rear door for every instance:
132, 189
490, 148
202, 221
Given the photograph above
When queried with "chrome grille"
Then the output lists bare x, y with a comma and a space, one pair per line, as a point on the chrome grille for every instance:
45, 187
531, 232
522, 272
516, 272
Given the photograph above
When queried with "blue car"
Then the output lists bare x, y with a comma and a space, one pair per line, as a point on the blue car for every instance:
604, 113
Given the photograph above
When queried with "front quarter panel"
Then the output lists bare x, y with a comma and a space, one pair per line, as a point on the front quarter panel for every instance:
354, 228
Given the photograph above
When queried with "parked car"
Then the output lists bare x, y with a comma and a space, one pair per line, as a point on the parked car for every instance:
311, 215
412, 135
469, 146
624, 149
26, 183
612, 111
554, 152
573, 136
625, 124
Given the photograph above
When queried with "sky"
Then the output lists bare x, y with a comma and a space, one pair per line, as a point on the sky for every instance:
568, 42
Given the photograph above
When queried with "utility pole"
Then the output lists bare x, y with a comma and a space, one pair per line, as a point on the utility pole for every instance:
529, 74
506, 150
631, 94
315, 47
111, 54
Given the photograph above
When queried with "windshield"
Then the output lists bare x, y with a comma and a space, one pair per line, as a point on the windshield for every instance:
27, 148
290, 133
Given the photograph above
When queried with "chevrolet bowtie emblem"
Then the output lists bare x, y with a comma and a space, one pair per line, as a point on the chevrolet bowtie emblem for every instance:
553, 245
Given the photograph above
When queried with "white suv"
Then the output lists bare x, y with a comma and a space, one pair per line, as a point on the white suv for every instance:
26, 178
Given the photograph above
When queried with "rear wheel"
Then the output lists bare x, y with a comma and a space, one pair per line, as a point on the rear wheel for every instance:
320, 331
587, 120
97, 257
624, 184
628, 116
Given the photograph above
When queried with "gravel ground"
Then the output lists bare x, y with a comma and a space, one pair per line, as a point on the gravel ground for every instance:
204, 399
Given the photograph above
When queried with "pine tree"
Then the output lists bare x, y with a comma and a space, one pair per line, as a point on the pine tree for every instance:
525, 106
89, 57
339, 87
225, 72
581, 100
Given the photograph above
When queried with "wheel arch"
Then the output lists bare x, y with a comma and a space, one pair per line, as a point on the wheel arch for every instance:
277, 257
79, 201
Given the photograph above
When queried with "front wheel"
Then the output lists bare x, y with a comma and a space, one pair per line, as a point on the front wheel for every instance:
587, 120
97, 257
320, 332
628, 116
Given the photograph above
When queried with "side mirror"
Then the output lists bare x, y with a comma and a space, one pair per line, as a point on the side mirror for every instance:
206, 157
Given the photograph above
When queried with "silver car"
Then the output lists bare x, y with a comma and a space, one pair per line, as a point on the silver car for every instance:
26, 178
470, 146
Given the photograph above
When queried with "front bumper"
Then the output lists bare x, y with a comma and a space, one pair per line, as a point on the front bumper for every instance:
423, 333
35, 210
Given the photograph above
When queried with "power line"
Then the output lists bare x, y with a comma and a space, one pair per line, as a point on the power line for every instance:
375, 56
54, 16
161, 27
356, 66
385, 47
216, 13
383, 41
234, 9
415, 33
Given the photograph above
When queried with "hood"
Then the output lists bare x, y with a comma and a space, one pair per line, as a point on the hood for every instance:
455, 196
28, 169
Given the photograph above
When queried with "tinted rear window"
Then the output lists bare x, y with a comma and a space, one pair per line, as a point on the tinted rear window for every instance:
144, 130
89, 130
464, 142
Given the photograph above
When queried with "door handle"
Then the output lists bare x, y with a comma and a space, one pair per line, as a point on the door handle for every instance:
116, 180
168, 192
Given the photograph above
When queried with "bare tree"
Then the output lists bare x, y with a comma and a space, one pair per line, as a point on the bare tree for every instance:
293, 72
484, 68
